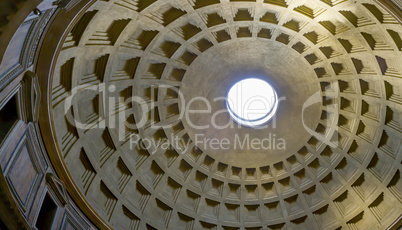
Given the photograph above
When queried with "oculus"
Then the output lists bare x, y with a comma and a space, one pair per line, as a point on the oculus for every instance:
252, 102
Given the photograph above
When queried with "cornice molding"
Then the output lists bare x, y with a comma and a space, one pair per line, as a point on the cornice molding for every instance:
15, 20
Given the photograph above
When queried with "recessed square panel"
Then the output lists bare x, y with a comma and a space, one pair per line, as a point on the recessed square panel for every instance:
24, 175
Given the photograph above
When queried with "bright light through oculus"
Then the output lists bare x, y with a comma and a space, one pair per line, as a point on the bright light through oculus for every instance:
252, 102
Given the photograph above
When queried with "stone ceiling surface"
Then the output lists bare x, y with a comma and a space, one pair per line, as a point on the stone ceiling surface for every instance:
213, 73
344, 54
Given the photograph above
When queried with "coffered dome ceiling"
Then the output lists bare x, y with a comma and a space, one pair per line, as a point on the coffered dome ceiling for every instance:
342, 56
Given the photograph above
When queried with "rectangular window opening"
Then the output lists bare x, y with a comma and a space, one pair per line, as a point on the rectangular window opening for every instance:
46, 215
8, 117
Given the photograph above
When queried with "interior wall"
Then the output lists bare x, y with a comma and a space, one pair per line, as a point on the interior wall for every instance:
31, 195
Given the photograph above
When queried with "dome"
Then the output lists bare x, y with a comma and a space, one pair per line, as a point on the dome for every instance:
139, 121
